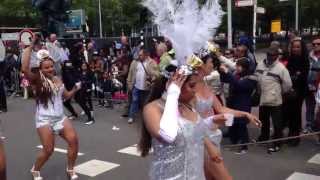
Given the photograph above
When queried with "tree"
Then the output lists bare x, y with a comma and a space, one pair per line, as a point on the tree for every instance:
17, 13
117, 15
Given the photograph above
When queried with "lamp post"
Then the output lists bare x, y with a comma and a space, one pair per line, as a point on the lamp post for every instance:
297, 15
229, 24
254, 31
100, 20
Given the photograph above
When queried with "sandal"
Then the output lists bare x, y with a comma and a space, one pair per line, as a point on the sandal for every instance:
72, 174
36, 174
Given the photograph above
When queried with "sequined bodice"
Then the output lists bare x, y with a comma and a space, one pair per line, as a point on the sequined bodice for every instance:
204, 106
182, 159
168, 160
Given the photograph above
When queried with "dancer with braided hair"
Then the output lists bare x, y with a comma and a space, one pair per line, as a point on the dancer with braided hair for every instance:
49, 117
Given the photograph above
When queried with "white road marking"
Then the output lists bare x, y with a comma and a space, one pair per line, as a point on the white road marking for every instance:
95, 167
60, 150
315, 159
131, 150
302, 176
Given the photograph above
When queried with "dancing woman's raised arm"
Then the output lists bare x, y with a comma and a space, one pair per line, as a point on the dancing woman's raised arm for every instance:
164, 126
26, 58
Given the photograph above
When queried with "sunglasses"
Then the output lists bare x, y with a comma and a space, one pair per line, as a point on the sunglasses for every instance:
316, 44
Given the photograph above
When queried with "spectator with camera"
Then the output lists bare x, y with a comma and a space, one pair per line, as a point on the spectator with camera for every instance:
141, 74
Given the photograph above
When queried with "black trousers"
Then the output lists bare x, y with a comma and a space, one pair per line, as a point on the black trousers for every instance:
292, 117
67, 104
105, 96
238, 132
88, 100
81, 100
275, 113
3, 97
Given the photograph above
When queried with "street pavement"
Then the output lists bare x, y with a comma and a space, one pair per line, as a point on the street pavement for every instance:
100, 144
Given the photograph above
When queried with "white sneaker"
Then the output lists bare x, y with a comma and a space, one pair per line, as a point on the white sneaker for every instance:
89, 123
82, 113
130, 120
35, 174
241, 152
72, 174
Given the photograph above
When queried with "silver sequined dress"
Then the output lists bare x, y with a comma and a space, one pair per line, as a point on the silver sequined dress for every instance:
203, 106
182, 159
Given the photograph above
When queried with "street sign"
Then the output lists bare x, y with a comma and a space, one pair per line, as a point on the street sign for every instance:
75, 21
261, 10
244, 3
276, 26
10, 36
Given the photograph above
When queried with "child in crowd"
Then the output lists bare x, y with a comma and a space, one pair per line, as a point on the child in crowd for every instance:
241, 88
105, 90
25, 85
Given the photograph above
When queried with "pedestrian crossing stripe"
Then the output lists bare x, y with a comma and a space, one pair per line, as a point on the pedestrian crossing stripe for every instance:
95, 167
300, 176
132, 150
60, 150
315, 159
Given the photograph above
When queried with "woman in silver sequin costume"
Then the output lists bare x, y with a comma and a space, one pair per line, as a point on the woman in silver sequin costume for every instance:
175, 131
207, 104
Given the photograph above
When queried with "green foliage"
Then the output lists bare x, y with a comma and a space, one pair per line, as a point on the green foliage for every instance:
17, 13
117, 15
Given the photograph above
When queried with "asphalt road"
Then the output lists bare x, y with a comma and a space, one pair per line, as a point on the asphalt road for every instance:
100, 143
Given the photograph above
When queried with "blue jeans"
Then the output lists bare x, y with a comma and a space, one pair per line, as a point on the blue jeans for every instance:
138, 98
310, 108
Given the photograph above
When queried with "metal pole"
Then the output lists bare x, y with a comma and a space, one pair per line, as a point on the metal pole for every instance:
254, 32
100, 20
142, 38
229, 24
297, 15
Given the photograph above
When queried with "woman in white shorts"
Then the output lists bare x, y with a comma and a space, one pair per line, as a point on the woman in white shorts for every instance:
49, 94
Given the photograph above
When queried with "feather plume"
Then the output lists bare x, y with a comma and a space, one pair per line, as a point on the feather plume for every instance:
186, 23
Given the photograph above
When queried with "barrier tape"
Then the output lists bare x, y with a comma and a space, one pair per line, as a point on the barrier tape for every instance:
273, 140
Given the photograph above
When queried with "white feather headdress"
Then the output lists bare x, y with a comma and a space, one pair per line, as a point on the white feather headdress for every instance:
186, 23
